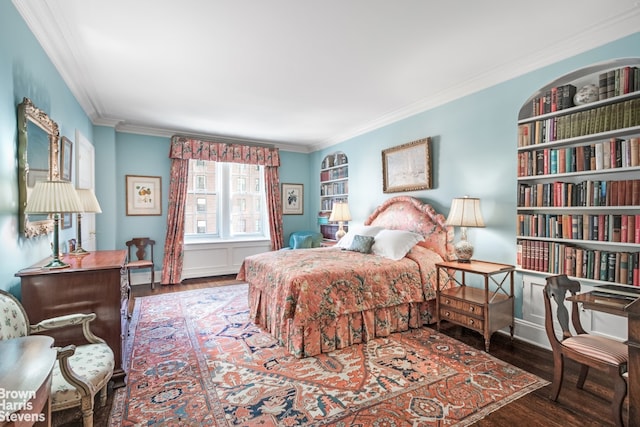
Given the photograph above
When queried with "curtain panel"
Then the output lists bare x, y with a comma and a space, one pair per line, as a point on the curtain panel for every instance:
184, 149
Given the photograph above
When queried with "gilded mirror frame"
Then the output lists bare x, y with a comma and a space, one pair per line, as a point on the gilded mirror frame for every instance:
29, 113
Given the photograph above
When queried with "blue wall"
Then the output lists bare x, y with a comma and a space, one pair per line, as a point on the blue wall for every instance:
26, 71
473, 153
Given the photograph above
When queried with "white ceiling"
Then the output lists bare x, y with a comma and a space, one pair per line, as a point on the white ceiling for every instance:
303, 74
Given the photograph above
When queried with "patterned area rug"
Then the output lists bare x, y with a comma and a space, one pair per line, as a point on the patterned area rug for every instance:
195, 359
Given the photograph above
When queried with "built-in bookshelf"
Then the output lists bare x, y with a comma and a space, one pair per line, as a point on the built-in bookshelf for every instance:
578, 210
334, 187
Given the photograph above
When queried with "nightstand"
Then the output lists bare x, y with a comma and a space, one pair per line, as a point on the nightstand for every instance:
483, 310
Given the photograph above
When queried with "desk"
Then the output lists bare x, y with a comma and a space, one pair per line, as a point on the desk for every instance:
631, 310
25, 376
94, 283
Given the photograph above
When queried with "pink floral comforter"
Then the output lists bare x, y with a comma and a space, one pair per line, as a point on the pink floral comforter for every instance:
297, 294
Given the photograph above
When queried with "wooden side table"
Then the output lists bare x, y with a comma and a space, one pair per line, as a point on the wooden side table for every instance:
25, 380
483, 310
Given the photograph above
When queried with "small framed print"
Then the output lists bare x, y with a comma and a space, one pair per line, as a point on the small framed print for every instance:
292, 199
66, 220
407, 167
66, 158
144, 195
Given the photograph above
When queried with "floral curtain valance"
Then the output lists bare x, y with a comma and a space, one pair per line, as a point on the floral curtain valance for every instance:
188, 148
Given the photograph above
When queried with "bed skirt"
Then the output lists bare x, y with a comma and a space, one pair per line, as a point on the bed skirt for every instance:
328, 334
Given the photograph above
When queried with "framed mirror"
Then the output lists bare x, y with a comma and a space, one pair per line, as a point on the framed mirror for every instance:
38, 147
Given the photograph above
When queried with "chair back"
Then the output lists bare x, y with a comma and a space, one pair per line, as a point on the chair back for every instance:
140, 245
557, 288
14, 322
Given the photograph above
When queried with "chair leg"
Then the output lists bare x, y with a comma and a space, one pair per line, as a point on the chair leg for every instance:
153, 278
103, 395
619, 393
584, 371
87, 411
558, 371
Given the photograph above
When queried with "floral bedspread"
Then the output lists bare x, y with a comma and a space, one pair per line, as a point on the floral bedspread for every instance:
293, 290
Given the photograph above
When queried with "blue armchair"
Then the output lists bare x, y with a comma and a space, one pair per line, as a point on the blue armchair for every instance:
305, 240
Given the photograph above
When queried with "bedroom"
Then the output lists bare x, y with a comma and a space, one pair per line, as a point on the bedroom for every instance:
473, 137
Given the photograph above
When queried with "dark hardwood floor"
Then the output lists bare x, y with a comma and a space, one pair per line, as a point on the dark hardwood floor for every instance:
587, 407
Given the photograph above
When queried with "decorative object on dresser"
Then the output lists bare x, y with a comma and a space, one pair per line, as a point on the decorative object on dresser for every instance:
588, 350
407, 167
465, 212
483, 310
90, 205
292, 199
95, 283
144, 195
54, 197
143, 259
81, 371
340, 213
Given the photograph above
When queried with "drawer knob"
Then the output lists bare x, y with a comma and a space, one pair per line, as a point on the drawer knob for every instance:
471, 322
446, 313
447, 301
472, 309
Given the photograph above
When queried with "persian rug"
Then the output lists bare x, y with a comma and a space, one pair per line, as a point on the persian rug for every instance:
195, 359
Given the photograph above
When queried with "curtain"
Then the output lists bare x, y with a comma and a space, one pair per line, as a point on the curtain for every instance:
182, 150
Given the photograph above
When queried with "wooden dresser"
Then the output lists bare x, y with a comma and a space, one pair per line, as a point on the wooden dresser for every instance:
94, 283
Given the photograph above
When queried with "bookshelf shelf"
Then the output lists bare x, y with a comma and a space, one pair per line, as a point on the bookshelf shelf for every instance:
578, 200
334, 187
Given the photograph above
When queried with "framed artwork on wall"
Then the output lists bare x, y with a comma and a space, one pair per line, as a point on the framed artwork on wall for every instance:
66, 220
144, 195
407, 167
292, 199
66, 158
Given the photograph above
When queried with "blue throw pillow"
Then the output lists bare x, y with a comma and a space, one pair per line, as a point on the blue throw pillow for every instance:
302, 242
361, 244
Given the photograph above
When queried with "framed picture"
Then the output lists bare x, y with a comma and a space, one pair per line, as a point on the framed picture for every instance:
66, 220
407, 167
66, 158
144, 195
292, 199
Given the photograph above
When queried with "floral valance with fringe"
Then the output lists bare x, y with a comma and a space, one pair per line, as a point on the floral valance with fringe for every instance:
183, 147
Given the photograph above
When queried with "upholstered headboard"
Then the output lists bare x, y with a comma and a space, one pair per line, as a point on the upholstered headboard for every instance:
409, 213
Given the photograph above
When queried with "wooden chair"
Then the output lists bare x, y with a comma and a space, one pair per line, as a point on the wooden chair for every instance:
588, 350
80, 372
141, 261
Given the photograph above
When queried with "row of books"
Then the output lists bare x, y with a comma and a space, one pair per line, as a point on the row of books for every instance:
331, 174
611, 83
601, 227
582, 194
327, 204
558, 258
611, 154
618, 82
605, 118
331, 188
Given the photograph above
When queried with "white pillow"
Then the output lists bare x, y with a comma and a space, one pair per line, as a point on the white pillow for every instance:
363, 230
395, 244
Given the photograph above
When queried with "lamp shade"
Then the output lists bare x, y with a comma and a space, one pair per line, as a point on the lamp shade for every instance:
88, 200
340, 212
465, 212
53, 197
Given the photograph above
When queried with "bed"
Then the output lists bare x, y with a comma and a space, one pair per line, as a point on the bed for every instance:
318, 300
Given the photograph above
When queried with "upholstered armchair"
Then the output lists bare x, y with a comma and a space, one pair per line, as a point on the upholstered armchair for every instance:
305, 240
80, 372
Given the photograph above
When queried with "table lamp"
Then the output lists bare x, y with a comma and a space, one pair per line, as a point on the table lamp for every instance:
90, 205
340, 213
465, 212
54, 197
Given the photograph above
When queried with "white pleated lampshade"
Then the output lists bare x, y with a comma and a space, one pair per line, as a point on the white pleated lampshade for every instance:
340, 212
53, 197
89, 200
465, 212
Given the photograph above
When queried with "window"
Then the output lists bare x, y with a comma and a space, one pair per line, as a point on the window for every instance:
220, 205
